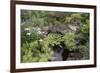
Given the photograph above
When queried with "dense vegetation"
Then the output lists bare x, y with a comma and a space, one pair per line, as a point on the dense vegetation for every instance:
46, 33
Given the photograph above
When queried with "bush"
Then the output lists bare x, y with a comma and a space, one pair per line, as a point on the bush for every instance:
53, 39
83, 37
69, 40
34, 52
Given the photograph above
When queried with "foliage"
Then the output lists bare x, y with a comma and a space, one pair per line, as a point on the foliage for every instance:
83, 36
34, 52
69, 40
73, 17
76, 16
29, 36
68, 20
85, 50
53, 39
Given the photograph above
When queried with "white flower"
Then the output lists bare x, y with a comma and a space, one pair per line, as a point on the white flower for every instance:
27, 29
39, 32
28, 33
40, 40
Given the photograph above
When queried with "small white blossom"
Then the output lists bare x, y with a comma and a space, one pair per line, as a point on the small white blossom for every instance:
40, 40
39, 32
43, 32
27, 29
28, 33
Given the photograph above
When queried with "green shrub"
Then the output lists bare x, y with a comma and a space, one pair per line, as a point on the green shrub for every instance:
50, 41
76, 16
67, 20
83, 36
69, 40
53, 39
35, 52
85, 50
